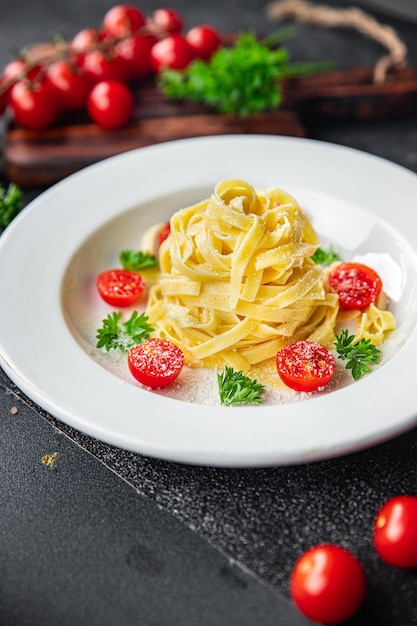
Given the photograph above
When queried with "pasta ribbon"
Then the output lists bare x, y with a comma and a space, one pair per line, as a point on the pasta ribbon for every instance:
237, 282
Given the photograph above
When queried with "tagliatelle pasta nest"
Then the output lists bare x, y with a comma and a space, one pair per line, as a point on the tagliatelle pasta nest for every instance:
237, 282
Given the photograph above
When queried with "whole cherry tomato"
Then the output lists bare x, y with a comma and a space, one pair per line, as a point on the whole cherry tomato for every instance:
135, 53
122, 20
395, 531
110, 104
357, 285
173, 52
155, 363
305, 365
86, 39
4, 98
101, 65
34, 104
167, 21
120, 287
204, 40
70, 83
327, 584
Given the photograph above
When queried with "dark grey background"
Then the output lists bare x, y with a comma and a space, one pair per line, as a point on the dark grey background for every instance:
107, 536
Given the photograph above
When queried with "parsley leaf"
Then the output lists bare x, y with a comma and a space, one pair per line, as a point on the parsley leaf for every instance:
235, 387
117, 334
357, 354
325, 257
239, 80
136, 260
10, 204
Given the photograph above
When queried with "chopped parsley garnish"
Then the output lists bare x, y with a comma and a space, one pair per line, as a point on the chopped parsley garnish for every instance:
117, 334
357, 354
236, 388
137, 260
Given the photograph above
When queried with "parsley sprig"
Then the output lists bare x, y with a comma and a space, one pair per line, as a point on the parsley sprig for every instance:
242, 79
117, 334
137, 260
325, 257
10, 204
236, 388
357, 354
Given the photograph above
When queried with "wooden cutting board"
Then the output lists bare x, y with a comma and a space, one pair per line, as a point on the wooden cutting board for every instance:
38, 159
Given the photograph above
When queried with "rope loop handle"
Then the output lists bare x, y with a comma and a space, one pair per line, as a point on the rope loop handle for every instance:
352, 17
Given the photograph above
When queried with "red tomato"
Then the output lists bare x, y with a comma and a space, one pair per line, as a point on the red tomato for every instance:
135, 53
173, 52
103, 65
122, 20
70, 83
4, 99
204, 41
395, 531
110, 104
167, 20
86, 39
164, 232
34, 104
305, 365
327, 584
120, 287
155, 363
357, 285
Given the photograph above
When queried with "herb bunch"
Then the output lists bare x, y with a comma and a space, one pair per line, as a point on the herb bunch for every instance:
239, 80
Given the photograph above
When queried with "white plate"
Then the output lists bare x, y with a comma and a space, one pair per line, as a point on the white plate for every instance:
49, 309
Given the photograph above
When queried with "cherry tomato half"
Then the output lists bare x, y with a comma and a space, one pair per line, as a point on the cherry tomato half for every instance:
173, 52
110, 104
156, 362
357, 285
305, 365
120, 287
122, 20
327, 584
164, 232
395, 531
204, 40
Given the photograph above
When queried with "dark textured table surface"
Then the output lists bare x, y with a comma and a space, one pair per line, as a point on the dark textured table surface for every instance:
108, 536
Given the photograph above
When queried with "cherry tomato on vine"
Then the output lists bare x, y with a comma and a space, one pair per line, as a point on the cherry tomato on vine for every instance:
4, 99
110, 104
101, 65
305, 365
357, 285
122, 20
70, 83
395, 531
86, 39
120, 287
156, 362
173, 52
167, 20
204, 40
327, 584
135, 53
34, 104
